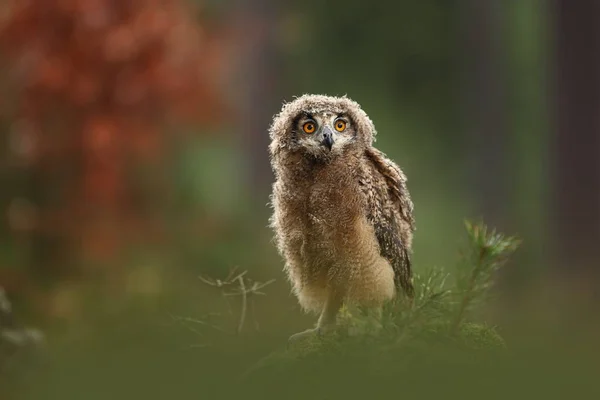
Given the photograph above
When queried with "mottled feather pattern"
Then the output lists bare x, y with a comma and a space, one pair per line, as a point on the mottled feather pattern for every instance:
390, 211
396, 182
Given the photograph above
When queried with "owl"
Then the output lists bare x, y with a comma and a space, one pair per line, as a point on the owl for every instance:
342, 213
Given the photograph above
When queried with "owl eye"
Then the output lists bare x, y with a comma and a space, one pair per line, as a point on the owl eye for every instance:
309, 127
340, 125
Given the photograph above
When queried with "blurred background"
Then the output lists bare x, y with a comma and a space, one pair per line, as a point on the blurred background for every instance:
134, 160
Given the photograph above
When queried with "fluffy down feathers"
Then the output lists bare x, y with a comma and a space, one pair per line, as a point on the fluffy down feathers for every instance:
343, 218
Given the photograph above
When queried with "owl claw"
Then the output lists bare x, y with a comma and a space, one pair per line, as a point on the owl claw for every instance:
318, 332
309, 333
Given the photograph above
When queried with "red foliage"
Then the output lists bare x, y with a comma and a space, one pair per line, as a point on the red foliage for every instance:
94, 83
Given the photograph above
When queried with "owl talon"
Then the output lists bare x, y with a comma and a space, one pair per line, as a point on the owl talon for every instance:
309, 333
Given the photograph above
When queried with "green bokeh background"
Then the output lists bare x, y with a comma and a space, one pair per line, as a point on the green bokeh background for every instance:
407, 63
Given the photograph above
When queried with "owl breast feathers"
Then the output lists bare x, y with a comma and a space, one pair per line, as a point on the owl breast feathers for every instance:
342, 213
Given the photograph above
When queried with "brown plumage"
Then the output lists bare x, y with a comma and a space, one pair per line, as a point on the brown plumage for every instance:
342, 213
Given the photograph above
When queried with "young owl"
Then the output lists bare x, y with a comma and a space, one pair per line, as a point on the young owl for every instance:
342, 213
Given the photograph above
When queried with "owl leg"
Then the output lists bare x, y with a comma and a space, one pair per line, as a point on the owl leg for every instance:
328, 316
327, 319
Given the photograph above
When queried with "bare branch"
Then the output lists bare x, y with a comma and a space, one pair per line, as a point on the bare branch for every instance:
244, 303
236, 284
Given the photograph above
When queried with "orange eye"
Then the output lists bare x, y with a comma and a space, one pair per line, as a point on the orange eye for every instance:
309, 127
340, 125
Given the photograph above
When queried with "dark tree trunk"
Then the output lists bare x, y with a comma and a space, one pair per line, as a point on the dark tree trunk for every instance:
257, 73
485, 111
576, 153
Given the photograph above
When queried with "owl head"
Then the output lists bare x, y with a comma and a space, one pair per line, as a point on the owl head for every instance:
320, 127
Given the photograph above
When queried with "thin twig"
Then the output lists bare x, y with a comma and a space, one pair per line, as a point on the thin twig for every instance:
246, 287
208, 282
244, 303
230, 275
468, 295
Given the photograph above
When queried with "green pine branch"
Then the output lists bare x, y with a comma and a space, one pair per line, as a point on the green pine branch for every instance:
486, 253
439, 318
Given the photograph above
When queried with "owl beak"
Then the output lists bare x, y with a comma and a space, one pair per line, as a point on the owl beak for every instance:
327, 138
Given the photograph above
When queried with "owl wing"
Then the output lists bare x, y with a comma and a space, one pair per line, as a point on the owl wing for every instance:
391, 213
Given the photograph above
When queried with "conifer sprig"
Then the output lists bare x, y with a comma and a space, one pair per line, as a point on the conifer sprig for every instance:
486, 252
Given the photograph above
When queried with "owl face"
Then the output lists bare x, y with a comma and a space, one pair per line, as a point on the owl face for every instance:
320, 127
324, 134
